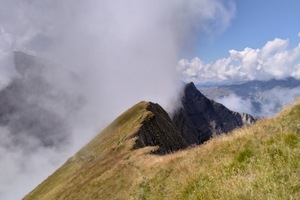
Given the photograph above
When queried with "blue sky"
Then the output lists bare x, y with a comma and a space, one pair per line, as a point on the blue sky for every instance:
255, 23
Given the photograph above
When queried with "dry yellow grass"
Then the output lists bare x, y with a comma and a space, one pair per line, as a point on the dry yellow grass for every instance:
256, 162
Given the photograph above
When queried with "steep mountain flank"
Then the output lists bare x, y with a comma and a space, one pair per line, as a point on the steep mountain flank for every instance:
145, 124
200, 118
159, 130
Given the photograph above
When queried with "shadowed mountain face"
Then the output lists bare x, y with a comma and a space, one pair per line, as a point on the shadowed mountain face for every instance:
144, 125
159, 130
200, 118
194, 123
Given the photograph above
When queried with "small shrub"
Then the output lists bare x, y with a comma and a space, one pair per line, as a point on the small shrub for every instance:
244, 155
291, 140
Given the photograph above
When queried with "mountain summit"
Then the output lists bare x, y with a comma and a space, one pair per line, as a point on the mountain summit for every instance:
200, 118
157, 129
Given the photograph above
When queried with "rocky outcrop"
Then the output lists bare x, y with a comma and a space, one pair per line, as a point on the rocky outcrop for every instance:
159, 130
195, 122
247, 119
199, 118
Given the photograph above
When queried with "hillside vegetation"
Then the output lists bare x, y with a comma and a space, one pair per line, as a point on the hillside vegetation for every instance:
255, 162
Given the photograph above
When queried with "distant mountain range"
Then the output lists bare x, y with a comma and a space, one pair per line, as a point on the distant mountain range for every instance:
259, 98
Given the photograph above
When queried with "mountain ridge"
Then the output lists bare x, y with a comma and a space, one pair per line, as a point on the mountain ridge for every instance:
200, 118
143, 129
251, 162
159, 130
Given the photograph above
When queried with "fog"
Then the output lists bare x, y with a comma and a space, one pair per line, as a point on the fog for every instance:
98, 58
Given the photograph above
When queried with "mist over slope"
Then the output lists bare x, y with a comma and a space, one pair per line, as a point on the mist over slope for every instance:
35, 121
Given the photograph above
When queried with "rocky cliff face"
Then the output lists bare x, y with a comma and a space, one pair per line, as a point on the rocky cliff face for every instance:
200, 118
195, 122
159, 130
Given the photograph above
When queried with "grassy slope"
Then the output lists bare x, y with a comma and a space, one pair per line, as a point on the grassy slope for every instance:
258, 162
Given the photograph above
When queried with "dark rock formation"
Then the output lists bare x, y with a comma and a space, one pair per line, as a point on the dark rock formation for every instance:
200, 118
195, 122
159, 130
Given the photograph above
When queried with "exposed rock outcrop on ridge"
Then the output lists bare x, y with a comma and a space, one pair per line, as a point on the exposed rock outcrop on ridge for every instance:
200, 118
159, 130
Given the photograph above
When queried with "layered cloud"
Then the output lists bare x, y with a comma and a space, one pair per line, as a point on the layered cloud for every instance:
273, 61
270, 102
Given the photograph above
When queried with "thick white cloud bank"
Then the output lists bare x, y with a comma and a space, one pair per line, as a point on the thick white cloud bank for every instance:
122, 51
273, 61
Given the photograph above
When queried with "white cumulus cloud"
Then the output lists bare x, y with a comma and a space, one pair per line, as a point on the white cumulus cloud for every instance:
273, 61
